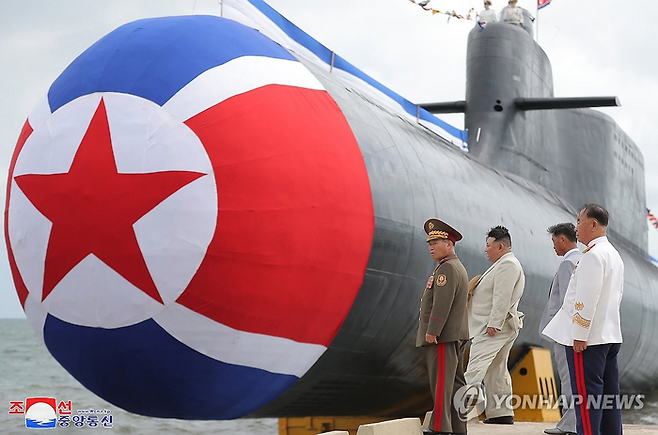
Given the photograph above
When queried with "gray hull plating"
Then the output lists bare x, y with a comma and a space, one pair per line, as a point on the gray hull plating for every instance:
527, 170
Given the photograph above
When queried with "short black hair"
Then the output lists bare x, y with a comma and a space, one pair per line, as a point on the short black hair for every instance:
566, 229
597, 212
500, 234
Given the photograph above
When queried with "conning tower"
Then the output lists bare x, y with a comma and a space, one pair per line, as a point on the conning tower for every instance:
515, 124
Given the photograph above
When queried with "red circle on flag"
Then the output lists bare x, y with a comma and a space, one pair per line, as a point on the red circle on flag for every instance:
295, 216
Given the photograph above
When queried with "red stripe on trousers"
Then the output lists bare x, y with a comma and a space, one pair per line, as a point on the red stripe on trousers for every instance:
440, 385
582, 391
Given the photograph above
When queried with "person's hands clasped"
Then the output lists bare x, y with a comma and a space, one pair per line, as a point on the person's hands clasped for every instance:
579, 346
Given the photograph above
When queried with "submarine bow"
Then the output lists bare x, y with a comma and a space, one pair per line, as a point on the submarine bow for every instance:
181, 202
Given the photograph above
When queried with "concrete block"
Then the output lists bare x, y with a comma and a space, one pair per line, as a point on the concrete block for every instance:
426, 421
403, 426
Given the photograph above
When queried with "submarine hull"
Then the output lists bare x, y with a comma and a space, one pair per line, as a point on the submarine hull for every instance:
372, 366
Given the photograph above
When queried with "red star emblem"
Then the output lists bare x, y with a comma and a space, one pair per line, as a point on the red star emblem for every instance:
93, 207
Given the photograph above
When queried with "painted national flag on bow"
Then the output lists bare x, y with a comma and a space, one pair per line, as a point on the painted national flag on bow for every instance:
136, 186
542, 3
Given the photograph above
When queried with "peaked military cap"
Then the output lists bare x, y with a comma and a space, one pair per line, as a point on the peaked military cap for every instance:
437, 229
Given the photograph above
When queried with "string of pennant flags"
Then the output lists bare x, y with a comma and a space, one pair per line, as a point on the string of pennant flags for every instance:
470, 15
652, 219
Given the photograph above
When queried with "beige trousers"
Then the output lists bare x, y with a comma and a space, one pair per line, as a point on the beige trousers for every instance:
487, 362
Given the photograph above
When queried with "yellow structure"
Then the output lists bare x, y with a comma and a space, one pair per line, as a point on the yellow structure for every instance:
535, 395
316, 425
535, 399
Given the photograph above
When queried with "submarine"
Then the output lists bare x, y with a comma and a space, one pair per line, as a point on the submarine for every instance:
532, 160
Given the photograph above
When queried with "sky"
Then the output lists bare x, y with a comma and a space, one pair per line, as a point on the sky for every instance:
596, 48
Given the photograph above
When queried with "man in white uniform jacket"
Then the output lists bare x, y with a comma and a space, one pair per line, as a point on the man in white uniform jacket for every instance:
494, 323
588, 324
487, 15
512, 13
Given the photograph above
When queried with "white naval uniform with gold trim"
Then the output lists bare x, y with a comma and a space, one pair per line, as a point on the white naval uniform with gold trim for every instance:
590, 311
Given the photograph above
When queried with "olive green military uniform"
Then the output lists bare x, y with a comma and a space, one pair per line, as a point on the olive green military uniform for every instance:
443, 313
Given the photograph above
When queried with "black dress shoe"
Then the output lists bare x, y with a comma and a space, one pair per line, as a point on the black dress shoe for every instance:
556, 431
507, 419
433, 432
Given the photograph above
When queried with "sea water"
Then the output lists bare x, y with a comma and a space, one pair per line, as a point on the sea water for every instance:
27, 370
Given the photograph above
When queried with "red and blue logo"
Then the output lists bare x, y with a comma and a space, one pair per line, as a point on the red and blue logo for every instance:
188, 218
40, 413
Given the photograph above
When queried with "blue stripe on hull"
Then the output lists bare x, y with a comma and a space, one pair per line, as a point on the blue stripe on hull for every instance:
324, 54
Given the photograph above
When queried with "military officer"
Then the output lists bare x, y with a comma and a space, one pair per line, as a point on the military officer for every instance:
487, 15
589, 325
443, 326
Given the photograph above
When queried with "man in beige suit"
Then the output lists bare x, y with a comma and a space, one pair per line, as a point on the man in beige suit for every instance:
494, 323
443, 328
